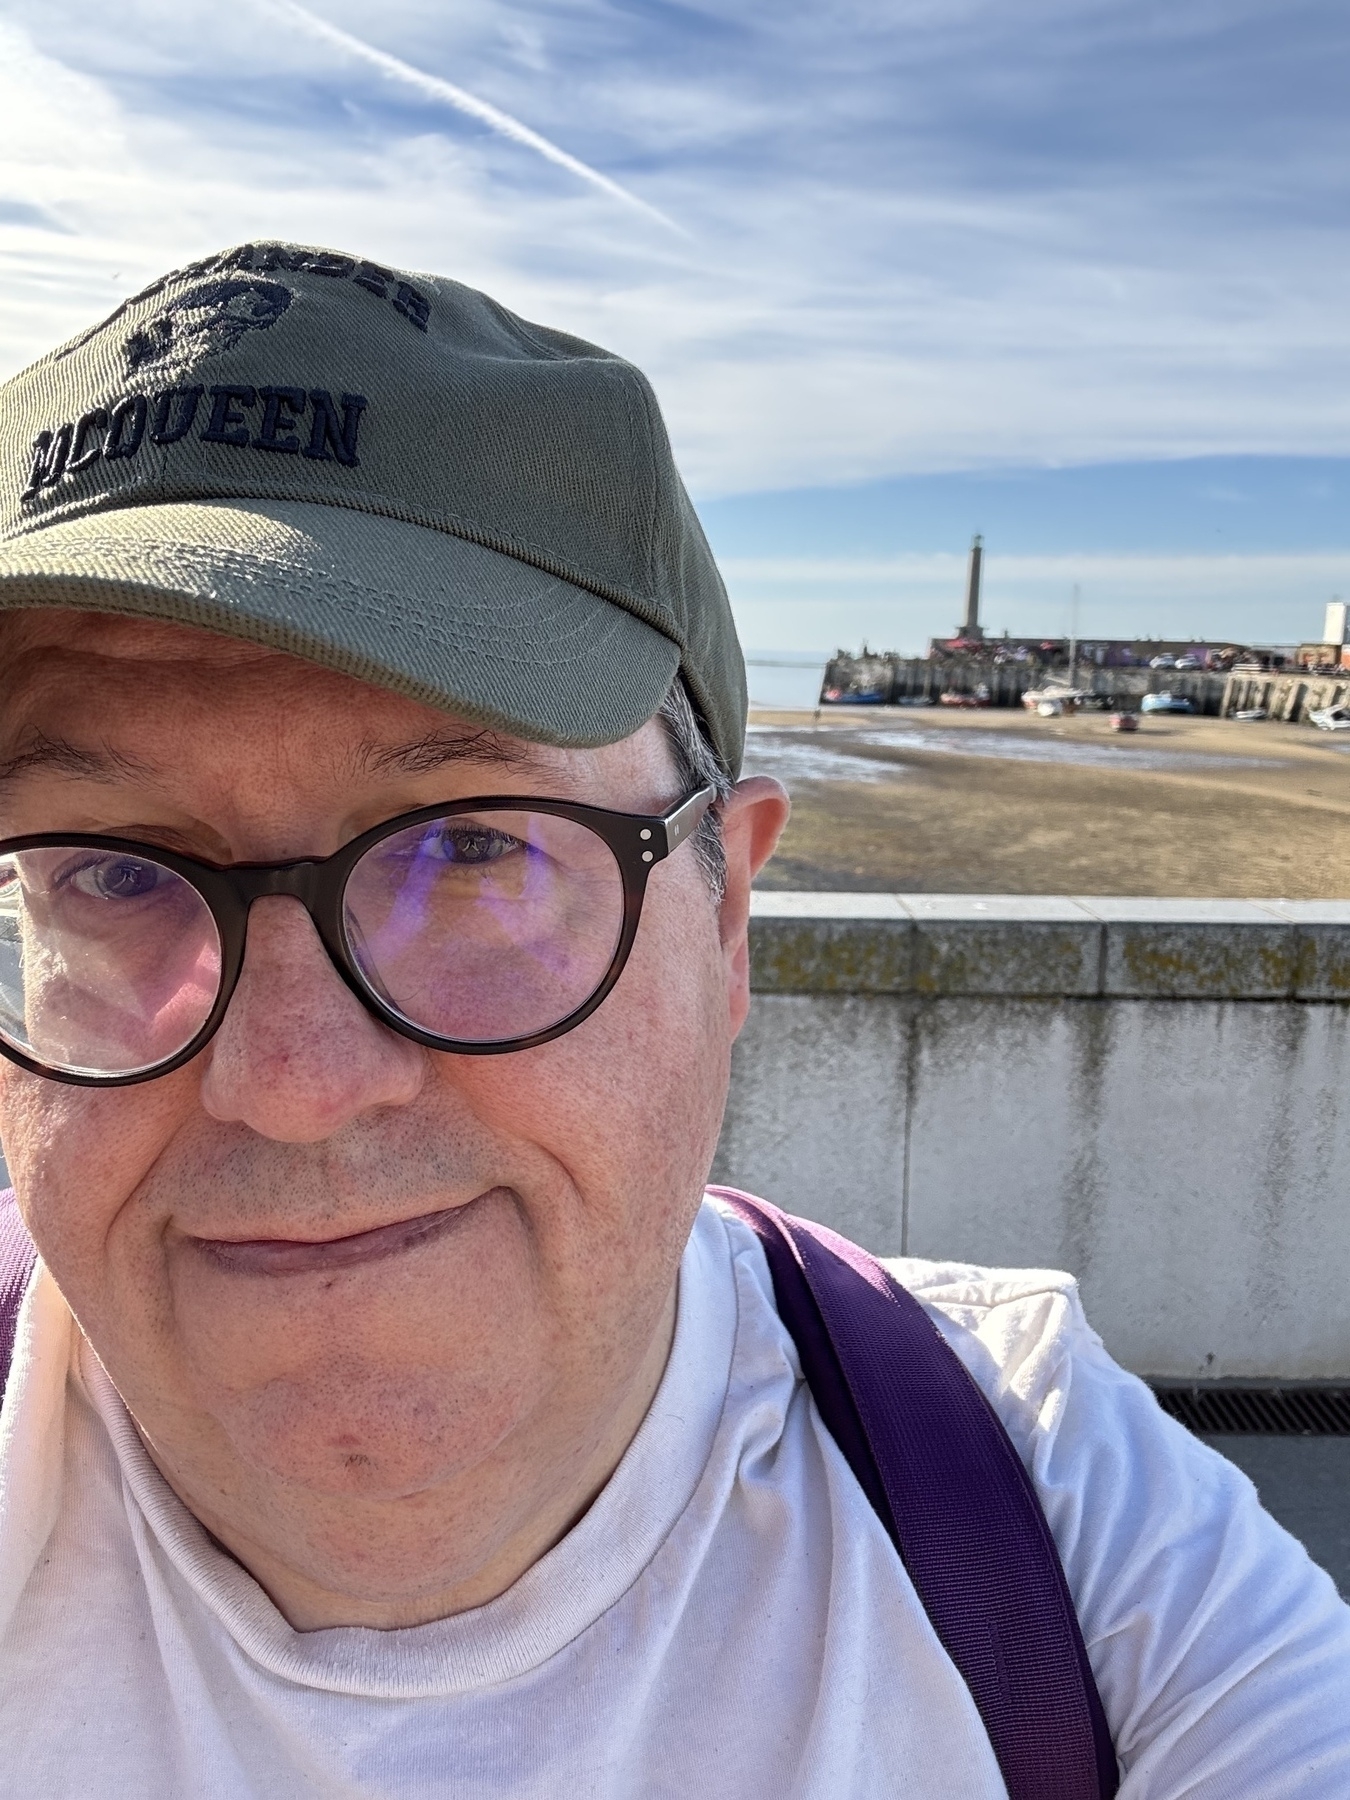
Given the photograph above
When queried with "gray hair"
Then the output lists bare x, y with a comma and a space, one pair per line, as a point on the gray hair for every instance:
697, 765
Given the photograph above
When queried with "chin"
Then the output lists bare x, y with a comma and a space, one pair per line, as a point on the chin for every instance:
373, 1436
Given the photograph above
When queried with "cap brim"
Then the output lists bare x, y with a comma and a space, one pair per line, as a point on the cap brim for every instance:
405, 607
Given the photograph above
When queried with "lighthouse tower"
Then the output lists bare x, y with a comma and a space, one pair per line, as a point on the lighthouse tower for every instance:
972, 627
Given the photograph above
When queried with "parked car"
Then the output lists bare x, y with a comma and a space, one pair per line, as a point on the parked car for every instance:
1162, 662
1331, 718
1187, 662
1165, 703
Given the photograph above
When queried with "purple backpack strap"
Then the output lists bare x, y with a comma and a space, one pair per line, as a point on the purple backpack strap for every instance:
17, 1256
945, 1480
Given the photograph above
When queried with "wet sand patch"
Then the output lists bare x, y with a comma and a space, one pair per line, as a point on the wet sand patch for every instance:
1004, 802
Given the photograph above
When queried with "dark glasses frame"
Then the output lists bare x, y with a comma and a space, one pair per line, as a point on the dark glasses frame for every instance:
638, 841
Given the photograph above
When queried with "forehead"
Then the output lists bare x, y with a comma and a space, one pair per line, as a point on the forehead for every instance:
57, 660
80, 673
106, 698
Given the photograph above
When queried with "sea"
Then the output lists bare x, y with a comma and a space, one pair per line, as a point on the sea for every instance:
786, 678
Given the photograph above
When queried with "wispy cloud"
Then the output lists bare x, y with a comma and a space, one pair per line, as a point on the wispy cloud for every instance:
930, 234
433, 87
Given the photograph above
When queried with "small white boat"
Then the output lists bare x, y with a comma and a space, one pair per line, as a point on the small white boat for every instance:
1058, 699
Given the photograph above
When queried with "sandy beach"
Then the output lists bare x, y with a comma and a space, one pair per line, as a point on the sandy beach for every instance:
935, 801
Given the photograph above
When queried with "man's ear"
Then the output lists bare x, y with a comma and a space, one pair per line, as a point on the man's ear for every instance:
753, 817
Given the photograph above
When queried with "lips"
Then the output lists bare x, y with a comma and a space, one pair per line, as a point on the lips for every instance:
300, 1256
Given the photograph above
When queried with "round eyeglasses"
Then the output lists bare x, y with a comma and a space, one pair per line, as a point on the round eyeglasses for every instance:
480, 927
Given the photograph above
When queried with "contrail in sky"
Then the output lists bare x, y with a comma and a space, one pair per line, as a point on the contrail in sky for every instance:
433, 88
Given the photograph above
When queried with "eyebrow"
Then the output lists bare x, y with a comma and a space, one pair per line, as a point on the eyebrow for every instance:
80, 762
438, 749
57, 755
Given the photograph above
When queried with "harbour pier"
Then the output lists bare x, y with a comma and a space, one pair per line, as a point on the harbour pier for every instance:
1290, 696
885, 679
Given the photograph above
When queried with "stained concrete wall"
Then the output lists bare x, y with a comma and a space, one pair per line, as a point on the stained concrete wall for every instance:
1153, 1094
1291, 696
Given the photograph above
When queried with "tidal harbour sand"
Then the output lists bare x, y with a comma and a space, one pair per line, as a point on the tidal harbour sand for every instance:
931, 800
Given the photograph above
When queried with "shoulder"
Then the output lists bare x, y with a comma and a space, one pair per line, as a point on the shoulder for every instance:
1203, 1619
1082, 1424
1200, 1613
969, 1297
1107, 1462
1021, 1333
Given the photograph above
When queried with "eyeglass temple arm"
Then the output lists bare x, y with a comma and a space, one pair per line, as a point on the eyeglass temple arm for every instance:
683, 822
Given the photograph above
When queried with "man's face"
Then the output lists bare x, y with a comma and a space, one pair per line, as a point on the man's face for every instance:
381, 1427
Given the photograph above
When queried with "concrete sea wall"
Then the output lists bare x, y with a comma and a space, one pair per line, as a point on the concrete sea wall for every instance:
1154, 1094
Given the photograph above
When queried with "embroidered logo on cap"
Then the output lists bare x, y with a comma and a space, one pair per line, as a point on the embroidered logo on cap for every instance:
211, 317
167, 396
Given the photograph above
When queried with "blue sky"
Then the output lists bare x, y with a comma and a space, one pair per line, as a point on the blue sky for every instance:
1069, 272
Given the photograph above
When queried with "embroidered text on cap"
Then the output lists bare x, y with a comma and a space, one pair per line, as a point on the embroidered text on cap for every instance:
249, 418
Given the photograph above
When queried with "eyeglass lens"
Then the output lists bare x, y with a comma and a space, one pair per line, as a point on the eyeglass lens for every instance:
109, 963
479, 928
486, 926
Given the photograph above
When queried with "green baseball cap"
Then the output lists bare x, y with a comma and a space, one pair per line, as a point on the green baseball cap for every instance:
389, 474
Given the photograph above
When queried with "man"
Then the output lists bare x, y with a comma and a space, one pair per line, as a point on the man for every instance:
390, 1412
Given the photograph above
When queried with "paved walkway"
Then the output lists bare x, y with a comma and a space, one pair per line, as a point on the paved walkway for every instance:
1305, 1482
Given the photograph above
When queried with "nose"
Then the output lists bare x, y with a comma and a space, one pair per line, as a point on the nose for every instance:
298, 1056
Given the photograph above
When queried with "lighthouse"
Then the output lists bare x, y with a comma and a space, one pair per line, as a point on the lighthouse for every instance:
972, 628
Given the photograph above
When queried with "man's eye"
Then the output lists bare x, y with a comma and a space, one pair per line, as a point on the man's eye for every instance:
119, 878
474, 844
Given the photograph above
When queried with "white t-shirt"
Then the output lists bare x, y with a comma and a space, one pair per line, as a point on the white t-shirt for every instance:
727, 1621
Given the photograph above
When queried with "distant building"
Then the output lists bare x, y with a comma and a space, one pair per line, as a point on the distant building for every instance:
1333, 652
1098, 653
